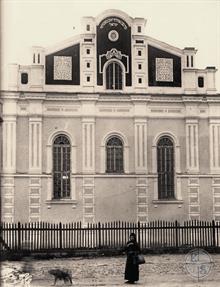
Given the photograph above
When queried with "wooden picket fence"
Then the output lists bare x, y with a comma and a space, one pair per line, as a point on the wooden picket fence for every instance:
42, 236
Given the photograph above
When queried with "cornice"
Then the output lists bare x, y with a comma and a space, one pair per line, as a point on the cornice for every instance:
195, 99
86, 97
10, 95
165, 46
110, 97
211, 99
64, 44
33, 96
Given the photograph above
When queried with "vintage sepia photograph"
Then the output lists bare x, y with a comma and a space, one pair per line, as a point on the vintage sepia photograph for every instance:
110, 143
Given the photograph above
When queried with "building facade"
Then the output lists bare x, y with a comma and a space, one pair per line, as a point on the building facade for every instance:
111, 125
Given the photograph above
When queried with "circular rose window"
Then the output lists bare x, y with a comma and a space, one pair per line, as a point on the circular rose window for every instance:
113, 35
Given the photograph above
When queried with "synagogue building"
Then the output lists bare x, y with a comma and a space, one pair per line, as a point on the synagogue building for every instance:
110, 125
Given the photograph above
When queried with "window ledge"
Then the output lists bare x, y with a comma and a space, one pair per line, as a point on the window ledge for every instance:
167, 201
60, 202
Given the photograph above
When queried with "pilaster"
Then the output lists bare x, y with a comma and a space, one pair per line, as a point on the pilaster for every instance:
142, 199
35, 145
214, 140
88, 142
194, 198
192, 146
88, 200
140, 145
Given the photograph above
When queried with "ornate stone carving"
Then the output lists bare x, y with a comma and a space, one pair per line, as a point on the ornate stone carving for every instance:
62, 68
114, 53
164, 70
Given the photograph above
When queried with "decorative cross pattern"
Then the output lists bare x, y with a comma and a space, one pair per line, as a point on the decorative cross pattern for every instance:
164, 70
62, 68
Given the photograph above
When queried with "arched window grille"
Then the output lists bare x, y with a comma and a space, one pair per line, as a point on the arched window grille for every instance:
114, 76
165, 168
114, 155
61, 167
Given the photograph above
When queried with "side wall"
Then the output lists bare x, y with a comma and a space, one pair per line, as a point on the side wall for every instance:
27, 192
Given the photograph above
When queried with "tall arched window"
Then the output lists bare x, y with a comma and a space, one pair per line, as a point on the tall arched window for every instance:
165, 168
114, 155
114, 76
61, 167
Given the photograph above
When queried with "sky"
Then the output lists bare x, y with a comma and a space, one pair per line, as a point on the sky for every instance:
181, 23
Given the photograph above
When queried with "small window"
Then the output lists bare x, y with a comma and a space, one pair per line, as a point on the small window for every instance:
139, 66
87, 40
38, 58
88, 65
34, 58
24, 78
187, 61
88, 78
139, 52
200, 82
139, 80
87, 27
87, 51
139, 29
191, 61
139, 42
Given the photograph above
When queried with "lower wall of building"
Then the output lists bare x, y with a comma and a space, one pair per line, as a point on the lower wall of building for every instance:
112, 198
115, 199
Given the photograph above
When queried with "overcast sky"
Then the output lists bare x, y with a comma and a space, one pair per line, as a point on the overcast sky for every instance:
181, 23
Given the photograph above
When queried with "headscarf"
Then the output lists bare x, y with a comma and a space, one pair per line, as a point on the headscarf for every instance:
134, 235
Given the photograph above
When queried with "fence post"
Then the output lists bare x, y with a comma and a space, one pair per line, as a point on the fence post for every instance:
19, 235
139, 237
99, 233
60, 235
213, 233
177, 237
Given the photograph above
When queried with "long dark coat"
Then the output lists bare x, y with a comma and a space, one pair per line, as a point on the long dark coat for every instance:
132, 268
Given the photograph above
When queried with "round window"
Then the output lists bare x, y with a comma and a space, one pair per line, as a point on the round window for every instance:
113, 35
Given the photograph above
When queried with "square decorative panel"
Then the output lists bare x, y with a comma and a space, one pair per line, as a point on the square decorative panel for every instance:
164, 70
62, 68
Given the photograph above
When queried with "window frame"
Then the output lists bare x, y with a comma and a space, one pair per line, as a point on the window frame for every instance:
122, 69
116, 154
177, 162
60, 171
24, 78
140, 80
166, 168
201, 82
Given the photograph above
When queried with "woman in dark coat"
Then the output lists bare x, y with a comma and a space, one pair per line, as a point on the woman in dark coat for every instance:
132, 268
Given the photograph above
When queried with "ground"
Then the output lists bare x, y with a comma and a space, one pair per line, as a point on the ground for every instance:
159, 270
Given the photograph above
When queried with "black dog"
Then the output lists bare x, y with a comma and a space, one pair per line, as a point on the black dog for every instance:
58, 274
